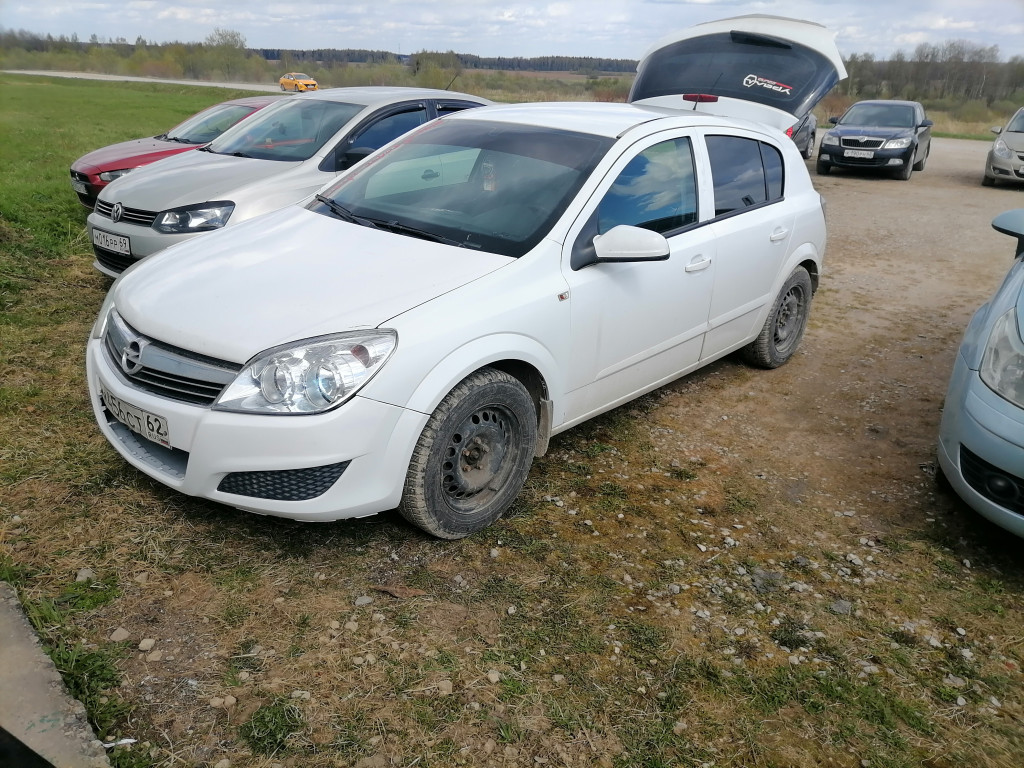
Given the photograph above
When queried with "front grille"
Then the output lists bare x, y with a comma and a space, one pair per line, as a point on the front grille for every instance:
79, 176
129, 215
115, 262
994, 484
857, 144
164, 370
284, 484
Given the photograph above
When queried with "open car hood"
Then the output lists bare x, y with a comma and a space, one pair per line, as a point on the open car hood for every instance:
766, 69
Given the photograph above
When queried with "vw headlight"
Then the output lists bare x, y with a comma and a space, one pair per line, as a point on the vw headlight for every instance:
898, 143
201, 217
1002, 366
999, 149
311, 376
830, 140
109, 176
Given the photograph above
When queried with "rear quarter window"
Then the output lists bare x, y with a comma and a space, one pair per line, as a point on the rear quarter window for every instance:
745, 172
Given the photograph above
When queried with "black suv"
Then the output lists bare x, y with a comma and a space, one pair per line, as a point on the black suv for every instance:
885, 135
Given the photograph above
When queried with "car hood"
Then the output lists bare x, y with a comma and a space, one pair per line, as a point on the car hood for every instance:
128, 154
1014, 140
289, 275
191, 177
875, 131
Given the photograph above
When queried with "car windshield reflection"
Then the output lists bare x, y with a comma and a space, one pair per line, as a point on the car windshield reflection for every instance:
879, 115
295, 131
494, 189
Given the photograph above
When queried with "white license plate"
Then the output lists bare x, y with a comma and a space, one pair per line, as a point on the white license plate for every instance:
147, 424
115, 243
867, 154
79, 186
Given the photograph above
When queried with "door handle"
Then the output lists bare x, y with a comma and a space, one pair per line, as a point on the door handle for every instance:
779, 234
697, 263
429, 174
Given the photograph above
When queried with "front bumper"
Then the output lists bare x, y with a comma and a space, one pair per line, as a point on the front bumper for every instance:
981, 449
881, 159
1004, 169
373, 440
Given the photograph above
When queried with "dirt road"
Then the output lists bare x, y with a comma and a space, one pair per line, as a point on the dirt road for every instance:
851, 423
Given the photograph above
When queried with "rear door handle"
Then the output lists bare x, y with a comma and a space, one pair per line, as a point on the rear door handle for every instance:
697, 263
779, 234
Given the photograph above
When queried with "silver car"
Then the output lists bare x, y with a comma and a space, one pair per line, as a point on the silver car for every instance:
981, 438
276, 158
1005, 160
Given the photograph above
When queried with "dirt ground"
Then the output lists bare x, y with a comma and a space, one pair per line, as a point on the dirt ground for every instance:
851, 423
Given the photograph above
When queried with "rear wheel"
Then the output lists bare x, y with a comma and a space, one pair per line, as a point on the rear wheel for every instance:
809, 152
784, 327
472, 457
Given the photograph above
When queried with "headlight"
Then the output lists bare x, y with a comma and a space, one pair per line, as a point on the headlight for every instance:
111, 175
830, 140
898, 143
999, 149
201, 217
1002, 366
310, 377
100, 326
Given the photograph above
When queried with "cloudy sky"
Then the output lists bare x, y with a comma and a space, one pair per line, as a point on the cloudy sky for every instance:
607, 28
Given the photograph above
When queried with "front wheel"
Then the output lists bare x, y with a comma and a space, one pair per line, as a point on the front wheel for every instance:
903, 172
473, 456
784, 327
988, 181
919, 165
822, 167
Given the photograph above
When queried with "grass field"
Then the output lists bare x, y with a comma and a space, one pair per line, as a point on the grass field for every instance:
635, 612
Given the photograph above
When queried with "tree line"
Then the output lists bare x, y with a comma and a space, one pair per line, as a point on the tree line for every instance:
950, 73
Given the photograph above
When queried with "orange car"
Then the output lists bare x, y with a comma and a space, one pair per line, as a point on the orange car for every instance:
296, 81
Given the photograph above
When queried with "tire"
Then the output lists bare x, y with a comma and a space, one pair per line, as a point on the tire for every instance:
473, 456
919, 165
988, 181
903, 174
282, 88
784, 327
809, 152
822, 168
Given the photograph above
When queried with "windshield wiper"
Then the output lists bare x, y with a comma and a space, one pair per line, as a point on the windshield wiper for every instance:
404, 229
344, 213
205, 149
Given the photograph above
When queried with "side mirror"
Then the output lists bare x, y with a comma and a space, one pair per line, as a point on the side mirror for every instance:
834, 120
353, 156
625, 243
1011, 223
996, 129
926, 124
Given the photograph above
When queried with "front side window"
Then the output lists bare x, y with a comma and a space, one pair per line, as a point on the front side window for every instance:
293, 131
746, 172
657, 190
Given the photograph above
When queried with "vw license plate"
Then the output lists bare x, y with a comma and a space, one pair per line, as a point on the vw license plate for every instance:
115, 243
866, 154
147, 424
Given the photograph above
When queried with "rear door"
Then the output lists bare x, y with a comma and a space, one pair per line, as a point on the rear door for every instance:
762, 68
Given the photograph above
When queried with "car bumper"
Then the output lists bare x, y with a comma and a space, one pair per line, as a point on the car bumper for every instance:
981, 449
254, 456
143, 241
1005, 169
839, 157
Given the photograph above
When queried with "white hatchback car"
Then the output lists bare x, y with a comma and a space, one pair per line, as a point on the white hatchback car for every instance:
414, 335
278, 157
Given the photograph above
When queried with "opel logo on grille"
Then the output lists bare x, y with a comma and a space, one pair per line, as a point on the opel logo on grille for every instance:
116, 212
131, 357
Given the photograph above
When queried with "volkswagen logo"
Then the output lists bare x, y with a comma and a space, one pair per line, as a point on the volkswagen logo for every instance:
116, 212
131, 357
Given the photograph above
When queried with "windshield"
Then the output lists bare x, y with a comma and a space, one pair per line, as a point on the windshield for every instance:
880, 115
289, 131
493, 187
208, 124
1017, 124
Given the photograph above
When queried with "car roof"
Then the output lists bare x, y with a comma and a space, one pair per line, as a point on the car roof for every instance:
901, 102
257, 101
374, 95
599, 118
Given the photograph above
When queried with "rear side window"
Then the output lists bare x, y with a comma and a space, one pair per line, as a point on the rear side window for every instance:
656, 190
388, 128
745, 172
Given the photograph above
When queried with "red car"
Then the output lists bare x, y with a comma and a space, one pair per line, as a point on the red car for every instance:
92, 172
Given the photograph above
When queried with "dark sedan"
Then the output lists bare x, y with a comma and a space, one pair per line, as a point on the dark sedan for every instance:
882, 135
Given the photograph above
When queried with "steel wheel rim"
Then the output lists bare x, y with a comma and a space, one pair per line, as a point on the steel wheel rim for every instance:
477, 458
789, 319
